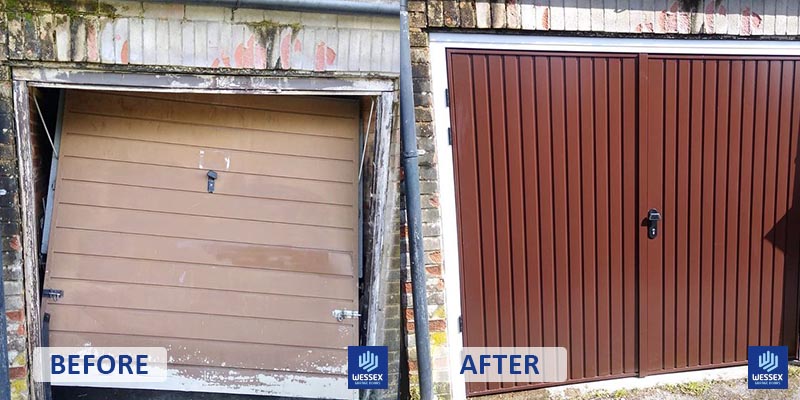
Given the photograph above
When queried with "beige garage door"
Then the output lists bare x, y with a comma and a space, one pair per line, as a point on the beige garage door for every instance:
238, 284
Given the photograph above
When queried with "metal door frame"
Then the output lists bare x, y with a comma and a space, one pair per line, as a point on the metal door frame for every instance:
120, 79
440, 42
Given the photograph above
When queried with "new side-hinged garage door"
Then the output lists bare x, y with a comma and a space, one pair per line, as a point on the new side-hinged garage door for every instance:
238, 284
561, 160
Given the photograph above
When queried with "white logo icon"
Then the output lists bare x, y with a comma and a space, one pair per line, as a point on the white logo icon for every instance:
368, 361
768, 361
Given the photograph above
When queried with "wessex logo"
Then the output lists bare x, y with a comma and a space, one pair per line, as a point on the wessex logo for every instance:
367, 367
368, 361
768, 361
767, 367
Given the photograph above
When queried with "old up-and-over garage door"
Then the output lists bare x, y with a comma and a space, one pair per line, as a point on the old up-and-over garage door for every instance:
559, 159
238, 284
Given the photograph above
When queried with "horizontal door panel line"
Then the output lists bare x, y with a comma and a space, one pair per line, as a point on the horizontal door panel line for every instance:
138, 283
226, 105
282, 246
342, 276
342, 228
174, 365
300, 346
215, 354
333, 260
196, 123
103, 319
112, 136
57, 303
209, 240
350, 183
224, 138
215, 193
348, 106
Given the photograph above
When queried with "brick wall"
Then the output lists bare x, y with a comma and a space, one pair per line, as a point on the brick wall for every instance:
10, 233
629, 17
719, 17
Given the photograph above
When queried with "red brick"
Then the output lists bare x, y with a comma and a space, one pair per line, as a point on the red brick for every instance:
18, 372
437, 325
15, 315
434, 270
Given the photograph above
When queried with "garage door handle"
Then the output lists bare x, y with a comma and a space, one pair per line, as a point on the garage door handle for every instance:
653, 216
212, 178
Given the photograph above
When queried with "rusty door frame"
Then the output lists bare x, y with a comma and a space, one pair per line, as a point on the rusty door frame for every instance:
25, 77
440, 42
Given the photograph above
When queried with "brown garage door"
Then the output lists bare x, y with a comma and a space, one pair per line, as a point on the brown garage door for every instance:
558, 159
238, 284
722, 149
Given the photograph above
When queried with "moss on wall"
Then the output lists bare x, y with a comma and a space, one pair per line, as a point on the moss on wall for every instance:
29, 9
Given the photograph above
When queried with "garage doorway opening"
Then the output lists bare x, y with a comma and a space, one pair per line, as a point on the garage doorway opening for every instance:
44, 106
291, 199
536, 67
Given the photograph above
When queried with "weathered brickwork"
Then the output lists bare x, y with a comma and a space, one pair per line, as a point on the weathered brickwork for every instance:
10, 233
719, 17
141, 33
750, 18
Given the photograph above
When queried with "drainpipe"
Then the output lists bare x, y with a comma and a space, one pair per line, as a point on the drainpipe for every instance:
321, 6
408, 136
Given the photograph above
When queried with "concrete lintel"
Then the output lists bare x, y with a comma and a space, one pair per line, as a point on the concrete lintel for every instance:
203, 82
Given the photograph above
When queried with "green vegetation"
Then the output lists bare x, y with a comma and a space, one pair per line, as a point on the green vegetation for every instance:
689, 388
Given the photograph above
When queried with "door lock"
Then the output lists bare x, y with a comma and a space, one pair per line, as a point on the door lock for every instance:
340, 315
212, 178
53, 294
653, 216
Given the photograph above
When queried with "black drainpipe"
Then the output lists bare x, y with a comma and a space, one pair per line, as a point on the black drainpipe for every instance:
408, 135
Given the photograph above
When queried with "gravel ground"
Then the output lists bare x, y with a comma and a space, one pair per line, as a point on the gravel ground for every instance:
705, 390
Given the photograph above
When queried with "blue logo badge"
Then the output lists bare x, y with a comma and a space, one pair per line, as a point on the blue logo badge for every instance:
767, 367
367, 367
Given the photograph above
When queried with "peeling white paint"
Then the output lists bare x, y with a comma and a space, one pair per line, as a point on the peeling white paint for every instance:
251, 383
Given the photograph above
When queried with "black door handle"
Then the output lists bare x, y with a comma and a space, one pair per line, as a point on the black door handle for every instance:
212, 178
653, 216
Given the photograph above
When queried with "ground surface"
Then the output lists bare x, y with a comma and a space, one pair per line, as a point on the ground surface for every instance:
705, 390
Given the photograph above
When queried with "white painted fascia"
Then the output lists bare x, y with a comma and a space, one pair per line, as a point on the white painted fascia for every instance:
615, 45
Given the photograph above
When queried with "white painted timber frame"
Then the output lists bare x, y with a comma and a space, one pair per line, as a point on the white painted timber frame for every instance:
380, 87
440, 42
